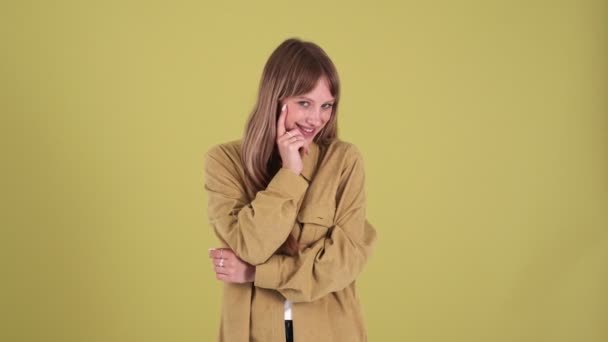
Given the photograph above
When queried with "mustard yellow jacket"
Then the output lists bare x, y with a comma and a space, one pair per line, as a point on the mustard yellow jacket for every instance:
324, 209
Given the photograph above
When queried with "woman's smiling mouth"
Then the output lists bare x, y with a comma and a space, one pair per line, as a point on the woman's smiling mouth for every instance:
306, 131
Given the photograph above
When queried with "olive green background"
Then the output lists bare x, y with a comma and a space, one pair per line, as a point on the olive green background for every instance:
484, 128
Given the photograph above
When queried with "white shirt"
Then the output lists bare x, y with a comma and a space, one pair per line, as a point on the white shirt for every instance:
287, 310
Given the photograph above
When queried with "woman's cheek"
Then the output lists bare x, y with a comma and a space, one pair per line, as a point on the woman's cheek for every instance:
326, 117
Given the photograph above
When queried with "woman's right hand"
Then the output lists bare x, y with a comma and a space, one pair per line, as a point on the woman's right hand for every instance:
289, 143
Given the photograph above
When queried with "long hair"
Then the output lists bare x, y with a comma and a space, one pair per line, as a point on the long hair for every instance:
293, 69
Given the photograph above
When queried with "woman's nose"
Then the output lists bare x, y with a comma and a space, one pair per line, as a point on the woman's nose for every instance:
314, 116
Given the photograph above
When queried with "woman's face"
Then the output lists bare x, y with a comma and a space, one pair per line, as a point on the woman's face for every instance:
309, 112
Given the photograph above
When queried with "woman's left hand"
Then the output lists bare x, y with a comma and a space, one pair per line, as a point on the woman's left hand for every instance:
230, 268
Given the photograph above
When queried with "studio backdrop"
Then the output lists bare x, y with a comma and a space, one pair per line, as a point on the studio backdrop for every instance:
483, 126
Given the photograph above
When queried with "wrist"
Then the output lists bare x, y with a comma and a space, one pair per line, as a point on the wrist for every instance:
294, 170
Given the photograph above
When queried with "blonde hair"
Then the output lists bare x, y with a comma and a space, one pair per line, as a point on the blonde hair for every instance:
294, 68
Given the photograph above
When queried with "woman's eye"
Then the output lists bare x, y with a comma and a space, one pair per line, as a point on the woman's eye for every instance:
303, 103
328, 105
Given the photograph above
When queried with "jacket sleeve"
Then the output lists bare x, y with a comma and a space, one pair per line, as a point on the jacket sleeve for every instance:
331, 263
255, 230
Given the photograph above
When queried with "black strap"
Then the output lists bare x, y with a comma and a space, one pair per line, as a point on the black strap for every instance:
288, 331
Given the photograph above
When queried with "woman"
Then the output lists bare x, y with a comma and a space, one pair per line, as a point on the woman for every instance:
288, 204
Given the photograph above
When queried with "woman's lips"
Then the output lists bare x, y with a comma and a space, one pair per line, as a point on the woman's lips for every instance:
307, 132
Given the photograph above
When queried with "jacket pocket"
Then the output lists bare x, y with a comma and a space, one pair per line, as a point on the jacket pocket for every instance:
316, 221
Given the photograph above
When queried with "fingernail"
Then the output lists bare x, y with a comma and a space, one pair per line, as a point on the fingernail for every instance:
284, 106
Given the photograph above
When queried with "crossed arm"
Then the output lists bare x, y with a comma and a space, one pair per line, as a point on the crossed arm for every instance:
253, 231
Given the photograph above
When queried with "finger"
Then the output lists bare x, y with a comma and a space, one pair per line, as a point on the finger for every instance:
222, 264
288, 141
215, 261
294, 133
281, 123
221, 270
296, 145
288, 133
217, 252
220, 253
222, 261
222, 277
294, 139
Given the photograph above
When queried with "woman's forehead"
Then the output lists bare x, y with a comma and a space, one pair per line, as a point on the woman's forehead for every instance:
320, 93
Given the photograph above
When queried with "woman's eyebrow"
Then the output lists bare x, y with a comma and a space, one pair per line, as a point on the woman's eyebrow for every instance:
311, 100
